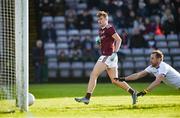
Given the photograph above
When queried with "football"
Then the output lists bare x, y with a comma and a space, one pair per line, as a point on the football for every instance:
31, 99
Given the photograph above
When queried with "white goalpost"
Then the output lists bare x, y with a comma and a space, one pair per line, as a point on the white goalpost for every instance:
13, 55
22, 63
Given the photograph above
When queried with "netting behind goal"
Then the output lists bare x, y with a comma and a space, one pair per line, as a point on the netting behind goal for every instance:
7, 55
13, 55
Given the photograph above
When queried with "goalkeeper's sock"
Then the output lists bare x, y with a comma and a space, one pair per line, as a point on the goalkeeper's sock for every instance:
131, 91
88, 95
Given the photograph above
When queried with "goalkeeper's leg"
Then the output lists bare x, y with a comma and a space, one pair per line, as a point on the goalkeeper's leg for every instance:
97, 70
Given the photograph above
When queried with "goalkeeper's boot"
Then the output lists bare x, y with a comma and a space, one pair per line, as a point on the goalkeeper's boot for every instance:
134, 97
84, 100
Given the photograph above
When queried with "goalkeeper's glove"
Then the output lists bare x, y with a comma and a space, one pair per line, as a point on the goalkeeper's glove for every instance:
98, 41
122, 79
142, 93
114, 54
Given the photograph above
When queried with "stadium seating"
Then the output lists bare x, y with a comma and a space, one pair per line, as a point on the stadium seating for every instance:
147, 52
176, 60
176, 64
165, 51
52, 68
126, 51
88, 66
175, 51
171, 37
62, 46
59, 19
47, 19
65, 69
135, 59
128, 67
77, 69
85, 32
73, 32
173, 44
95, 32
49, 45
140, 65
161, 44
62, 39
137, 52
160, 37
61, 33
59, 26
50, 53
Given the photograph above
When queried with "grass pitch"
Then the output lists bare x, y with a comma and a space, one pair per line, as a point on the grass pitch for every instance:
108, 101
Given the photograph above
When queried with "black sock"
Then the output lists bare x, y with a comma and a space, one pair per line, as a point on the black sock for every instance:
88, 95
131, 91
121, 79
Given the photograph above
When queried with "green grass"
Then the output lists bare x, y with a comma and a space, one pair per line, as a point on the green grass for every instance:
108, 101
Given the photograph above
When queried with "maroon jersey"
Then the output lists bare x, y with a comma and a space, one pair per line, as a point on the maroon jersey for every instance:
107, 41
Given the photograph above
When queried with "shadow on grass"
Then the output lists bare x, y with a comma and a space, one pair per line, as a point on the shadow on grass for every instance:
7, 112
100, 107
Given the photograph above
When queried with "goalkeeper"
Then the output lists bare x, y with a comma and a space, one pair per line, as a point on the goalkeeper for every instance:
161, 70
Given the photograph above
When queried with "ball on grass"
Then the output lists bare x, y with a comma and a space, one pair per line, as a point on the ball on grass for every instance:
31, 99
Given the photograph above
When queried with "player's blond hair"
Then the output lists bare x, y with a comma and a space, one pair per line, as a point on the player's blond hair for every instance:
102, 13
158, 53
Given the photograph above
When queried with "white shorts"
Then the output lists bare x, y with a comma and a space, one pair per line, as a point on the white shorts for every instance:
107, 60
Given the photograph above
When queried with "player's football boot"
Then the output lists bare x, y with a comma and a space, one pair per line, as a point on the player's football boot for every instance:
84, 100
134, 98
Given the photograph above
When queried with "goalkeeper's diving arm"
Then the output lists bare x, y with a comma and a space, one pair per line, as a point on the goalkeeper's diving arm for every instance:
136, 76
154, 84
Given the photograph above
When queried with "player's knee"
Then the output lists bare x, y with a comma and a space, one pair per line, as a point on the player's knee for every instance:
114, 80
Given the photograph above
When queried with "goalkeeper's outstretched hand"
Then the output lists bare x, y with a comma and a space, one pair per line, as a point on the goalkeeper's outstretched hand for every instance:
121, 79
142, 93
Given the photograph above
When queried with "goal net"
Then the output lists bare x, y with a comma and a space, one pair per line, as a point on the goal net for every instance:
13, 39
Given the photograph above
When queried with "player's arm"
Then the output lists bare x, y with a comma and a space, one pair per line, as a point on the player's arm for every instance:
118, 41
154, 84
136, 76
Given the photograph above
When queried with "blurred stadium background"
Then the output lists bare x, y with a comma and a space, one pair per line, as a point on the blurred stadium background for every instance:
68, 29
